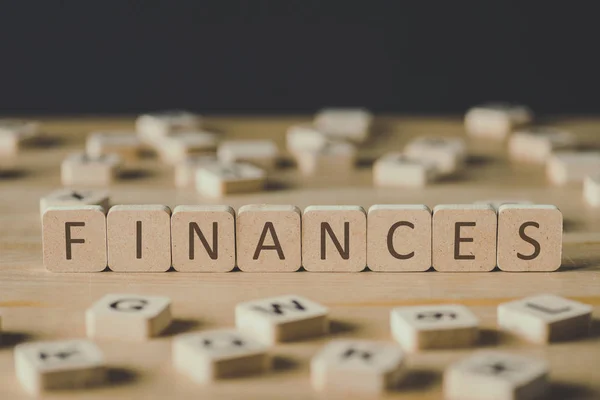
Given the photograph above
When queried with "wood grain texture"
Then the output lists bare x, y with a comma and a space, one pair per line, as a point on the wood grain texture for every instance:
40, 305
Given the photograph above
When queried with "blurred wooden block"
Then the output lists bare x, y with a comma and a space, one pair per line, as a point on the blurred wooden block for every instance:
529, 237
352, 124
218, 180
545, 318
335, 158
572, 167
128, 317
493, 375
126, 145
434, 327
65, 364
13, 133
591, 189
139, 238
203, 238
357, 366
305, 137
178, 147
80, 169
80, 197
464, 237
447, 154
74, 239
282, 319
155, 126
399, 238
537, 144
211, 355
185, 171
334, 239
268, 238
497, 120
261, 153
396, 170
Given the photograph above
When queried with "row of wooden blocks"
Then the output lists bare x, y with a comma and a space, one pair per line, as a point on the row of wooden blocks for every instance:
279, 238
347, 366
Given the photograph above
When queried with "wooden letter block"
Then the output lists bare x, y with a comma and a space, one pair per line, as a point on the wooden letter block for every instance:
13, 133
397, 170
74, 239
591, 189
545, 318
529, 237
464, 237
350, 124
335, 158
185, 171
399, 238
80, 169
261, 153
447, 154
128, 317
304, 138
125, 144
572, 167
153, 127
496, 121
80, 197
493, 375
203, 238
357, 366
434, 327
268, 238
282, 319
139, 238
177, 147
218, 180
536, 145
65, 364
334, 239
211, 355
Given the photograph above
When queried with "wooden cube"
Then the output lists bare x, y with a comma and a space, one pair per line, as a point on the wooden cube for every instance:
434, 327
218, 180
282, 319
64, 364
178, 147
139, 238
496, 120
128, 317
155, 126
572, 167
464, 237
537, 144
334, 239
203, 238
211, 355
591, 189
80, 197
305, 137
13, 133
399, 238
80, 169
447, 154
397, 170
529, 237
352, 124
261, 153
268, 238
335, 158
74, 239
357, 366
126, 145
185, 171
493, 375
545, 318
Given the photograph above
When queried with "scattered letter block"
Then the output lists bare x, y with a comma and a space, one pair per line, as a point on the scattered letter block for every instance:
153, 127
282, 319
185, 171
74, 239
13, 133
529, 237
397, 170
545, 318
537, 144
496, 121
304, 138
218, 180
80, 197
203, 238
464, 237
357, 366
572, 167
80, 169
125, 144
177, 147
139, 238
591, 189
447, 154
350, 124
335, 158
334, 239
261, 153
268, 238
434, 327
399, 238
128, 316
66, 364
212, 355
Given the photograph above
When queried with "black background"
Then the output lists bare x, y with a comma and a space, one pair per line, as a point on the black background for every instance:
296, 56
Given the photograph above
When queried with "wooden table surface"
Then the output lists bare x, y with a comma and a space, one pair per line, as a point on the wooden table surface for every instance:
39, 305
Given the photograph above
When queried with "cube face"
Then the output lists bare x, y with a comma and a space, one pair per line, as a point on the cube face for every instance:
125, 144
495, 375
269, 238
72, 197
333, 158
571, 167
281, 319
203, 238
165, 122
218, 180
261, 153
399, 238
350, 124
464, 237
441, 326
80, 169
176, 148
128, 316
591, 189
529, 237
537, 144
334, 238
545, 318
185, 171
139, 238
495, 121
397, 170
447, 154
305, 138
